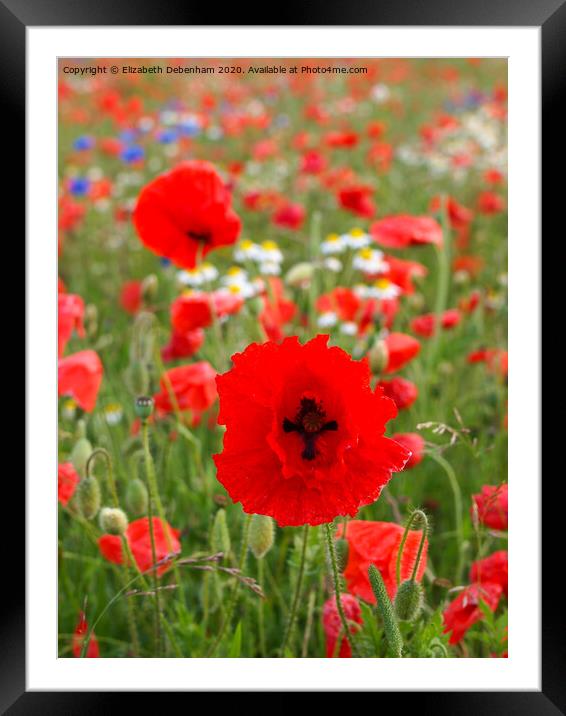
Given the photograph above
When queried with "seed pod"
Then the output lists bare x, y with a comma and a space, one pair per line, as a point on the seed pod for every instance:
300, 274
408, 600
136, 497
88, 497
144, 406
220, 536
261, 535
80, 454
136, 377
113, 520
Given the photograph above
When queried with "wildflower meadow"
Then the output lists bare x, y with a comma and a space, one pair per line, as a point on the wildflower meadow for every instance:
282, 369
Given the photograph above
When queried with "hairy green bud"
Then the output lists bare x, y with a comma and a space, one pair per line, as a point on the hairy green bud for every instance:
378, 355
300, 274
113, 520
261, 535
408, 600
385, 609
80, 454
136, 497
136, 377
342, 550
220, 536
88, 497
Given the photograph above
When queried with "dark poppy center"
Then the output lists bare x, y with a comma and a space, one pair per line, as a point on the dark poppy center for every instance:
198, 236
310, 421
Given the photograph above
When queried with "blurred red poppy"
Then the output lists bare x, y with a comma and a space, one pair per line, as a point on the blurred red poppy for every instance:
277, 309
186, 213
496, 359
425, 325
67, 481
402, 272
464, 611
492, 569
131, 296
139, 540
193, 387
413, 442
332, 624
70, 318
79, 635
289, 216
197, 309
357, 199
183, 345
458, 215
378, 543
402, 391
80, 375
492, 506
304, 432
399, 232
401, 349
490, 203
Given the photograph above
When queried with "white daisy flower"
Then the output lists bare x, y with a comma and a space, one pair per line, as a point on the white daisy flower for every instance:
349, 328
332, 244
383, 288
270, 268
270, 252
247, 250
356, 239
332, 264
113, 413
327, 319
369, 261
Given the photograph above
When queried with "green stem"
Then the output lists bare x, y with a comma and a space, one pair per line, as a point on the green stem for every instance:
415, 515
293, 612
457, 496
337, 587
233, 597
260, 614
109, 474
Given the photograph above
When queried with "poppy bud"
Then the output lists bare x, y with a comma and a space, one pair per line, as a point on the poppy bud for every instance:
378, 356
261, 535
88, 497
220, 536
113, 520
144, 407
149, 287
408, 600
80, 454
299, 274
342, 548
385, 608
91, 320
136, 497
137, 377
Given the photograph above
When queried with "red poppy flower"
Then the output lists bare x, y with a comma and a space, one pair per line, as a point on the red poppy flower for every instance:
402, 272
79, 635
304, 439
472, 265
490, 203
378, 543
496, 359
67, 481
401, 349
342, 301
183, 345
469, 303
289, 216
458, 215
341, 140
464, 611
186, 213
193, 386
401, 391
70, 318
403, 230
358, 200
80, 375
332, 624
313, 162
492, 506
425, 325
131, 296
493, 176
413, 442
492, 569
139, 540
277, 310
195, 309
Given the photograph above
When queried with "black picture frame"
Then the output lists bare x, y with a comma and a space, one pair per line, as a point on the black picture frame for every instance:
15, 17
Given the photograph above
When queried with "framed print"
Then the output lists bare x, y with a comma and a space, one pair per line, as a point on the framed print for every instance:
291, 262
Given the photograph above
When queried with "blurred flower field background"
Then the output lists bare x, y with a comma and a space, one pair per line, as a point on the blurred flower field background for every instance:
352, 227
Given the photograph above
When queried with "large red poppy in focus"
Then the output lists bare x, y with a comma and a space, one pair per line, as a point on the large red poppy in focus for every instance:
304, 437
185, 213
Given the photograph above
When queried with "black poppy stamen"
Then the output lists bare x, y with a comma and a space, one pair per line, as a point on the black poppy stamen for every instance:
310, 421
204, 237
